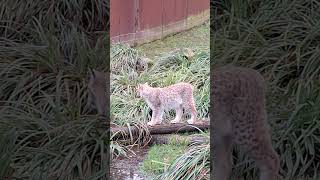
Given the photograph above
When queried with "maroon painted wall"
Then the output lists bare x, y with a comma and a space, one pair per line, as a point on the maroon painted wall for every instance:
130, 19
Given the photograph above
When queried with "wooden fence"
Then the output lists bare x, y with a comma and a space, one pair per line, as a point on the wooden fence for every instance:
140, 21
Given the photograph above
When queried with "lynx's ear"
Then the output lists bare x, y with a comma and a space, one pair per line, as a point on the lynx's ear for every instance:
140, 87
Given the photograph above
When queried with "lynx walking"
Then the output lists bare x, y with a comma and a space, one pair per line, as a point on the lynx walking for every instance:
239, 117
177, 96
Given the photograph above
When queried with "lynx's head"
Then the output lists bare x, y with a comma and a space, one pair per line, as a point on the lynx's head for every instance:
143, 89
97, 87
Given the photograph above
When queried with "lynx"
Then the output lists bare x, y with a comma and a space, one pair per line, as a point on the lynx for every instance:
177, 96
239, 118
97, 95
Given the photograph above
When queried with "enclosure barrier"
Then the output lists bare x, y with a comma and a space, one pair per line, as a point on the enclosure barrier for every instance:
140, 21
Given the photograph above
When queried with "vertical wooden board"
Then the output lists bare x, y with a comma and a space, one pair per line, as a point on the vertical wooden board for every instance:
192, 6
204, 5
150, 13
114, 18
169, 11
197, 6
126, 14
181, 10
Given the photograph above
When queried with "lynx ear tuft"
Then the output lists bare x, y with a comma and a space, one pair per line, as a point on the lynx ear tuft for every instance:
141, 87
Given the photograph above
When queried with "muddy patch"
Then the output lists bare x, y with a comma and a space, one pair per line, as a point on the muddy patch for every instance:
128, 168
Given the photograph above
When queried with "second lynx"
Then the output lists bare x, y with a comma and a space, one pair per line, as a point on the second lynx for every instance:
178, 96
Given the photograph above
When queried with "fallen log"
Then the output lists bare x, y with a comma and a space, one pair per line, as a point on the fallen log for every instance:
135, 131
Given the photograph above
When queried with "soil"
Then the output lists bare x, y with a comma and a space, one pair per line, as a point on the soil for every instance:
129, 168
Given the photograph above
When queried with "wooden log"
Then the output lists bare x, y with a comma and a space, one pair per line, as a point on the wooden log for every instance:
134, 131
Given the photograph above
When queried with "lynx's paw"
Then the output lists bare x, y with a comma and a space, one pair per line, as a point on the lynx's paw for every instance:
174, 121
153, 123
191, 121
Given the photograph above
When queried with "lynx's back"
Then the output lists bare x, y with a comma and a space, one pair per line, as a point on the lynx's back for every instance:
176, 94
240, 92
239, 117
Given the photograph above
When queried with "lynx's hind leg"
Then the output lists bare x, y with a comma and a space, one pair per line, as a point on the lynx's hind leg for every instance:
267, 160
160, 116
179, 112
251, 133
192, 107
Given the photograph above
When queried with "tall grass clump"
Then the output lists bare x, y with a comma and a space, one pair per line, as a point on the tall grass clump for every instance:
45, 50
194, 163
280, 39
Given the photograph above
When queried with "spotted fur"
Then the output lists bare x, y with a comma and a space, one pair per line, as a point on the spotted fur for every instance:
178, 96
239, 118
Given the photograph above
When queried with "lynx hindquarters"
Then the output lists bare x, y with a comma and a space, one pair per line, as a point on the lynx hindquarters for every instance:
177, 96
97, 96
239, 118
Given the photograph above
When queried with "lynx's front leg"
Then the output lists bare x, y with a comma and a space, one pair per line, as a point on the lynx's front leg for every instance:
156, 117
222, 158
223, 145
153, 119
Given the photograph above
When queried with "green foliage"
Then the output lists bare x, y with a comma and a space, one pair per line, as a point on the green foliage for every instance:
280, 39
160, 157
55, 145
196, 37
192, 164
7, 139
46, 48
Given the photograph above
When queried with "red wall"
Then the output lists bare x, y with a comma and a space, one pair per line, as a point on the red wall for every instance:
130, 16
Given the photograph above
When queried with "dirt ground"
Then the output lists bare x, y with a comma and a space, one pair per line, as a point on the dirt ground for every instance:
129, 168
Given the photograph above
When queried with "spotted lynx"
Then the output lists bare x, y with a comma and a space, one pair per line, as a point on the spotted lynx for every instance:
177, 96
239, 117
